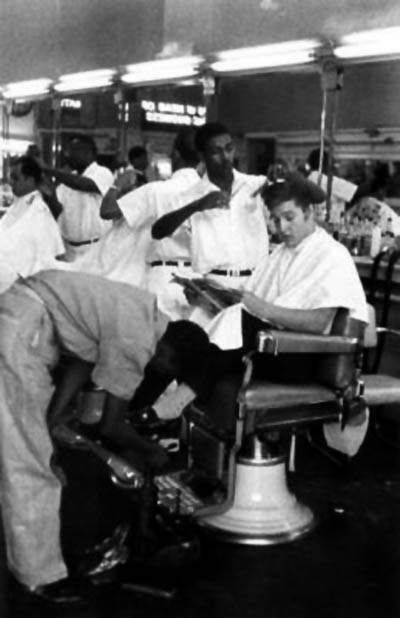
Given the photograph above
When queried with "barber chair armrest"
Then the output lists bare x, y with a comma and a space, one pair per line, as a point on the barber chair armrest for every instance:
287, 342
382, 330
123, 474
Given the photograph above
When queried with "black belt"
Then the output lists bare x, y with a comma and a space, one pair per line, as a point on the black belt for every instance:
79, 243
231, 272
170, 263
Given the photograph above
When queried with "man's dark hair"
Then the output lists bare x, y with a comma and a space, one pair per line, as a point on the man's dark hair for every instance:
313, 160
184, 144
29, 167
135, 152
294, 187
87, 141
208, 131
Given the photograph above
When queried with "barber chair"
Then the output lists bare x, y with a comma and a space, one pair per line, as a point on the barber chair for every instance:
260, 509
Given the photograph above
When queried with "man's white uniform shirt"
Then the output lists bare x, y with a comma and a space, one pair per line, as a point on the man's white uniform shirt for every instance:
233, 238
80, 219
142, 208
122, 252
342, 191
318, 273
30, 239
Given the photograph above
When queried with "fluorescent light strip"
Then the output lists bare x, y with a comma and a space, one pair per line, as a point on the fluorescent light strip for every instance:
12, 145
162, 70
370, 43
265, 56
28, 88
378, 35
85, 80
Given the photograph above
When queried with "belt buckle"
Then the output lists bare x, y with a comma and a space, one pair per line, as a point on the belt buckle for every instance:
234, 273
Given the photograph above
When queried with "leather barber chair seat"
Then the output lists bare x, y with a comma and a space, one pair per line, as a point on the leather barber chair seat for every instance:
260, 509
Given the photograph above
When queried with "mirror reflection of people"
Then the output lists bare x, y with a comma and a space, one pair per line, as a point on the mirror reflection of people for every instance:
343, 190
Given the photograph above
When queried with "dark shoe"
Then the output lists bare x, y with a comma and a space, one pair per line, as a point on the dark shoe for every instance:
147, 422
67, 591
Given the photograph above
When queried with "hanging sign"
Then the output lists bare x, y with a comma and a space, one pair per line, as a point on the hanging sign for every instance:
160, 112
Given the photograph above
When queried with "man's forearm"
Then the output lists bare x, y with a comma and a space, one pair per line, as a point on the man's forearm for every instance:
73, 181
74, 376
109, 208
166, 225
302, 320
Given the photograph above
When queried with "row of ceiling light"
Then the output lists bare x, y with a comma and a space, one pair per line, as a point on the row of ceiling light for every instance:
382, 43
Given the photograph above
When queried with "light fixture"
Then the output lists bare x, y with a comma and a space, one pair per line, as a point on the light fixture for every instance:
370, 43
86, 80
26, 89
255, 59
165, 70
14, 146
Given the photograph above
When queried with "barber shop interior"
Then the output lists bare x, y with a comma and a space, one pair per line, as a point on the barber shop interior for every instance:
185, 434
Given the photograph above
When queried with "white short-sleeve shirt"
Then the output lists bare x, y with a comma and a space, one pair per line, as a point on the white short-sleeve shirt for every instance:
233, 238
150, 202
80, 219
114, 326
121, 254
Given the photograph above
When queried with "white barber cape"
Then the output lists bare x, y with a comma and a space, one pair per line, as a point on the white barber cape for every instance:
80, 219
318, 273
29, 239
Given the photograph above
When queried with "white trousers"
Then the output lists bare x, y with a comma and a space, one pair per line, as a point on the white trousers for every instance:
30, 492
170, 297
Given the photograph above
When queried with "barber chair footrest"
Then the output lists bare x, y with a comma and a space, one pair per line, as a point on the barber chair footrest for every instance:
263, 510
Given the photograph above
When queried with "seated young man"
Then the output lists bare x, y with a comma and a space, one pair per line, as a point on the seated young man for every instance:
299, 287
110, 332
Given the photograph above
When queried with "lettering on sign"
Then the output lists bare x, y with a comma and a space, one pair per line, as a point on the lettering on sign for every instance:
162, 112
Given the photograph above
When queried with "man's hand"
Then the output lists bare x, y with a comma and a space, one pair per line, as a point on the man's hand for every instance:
214, 199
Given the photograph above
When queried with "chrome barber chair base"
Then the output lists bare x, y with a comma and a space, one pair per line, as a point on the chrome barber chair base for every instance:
263, 511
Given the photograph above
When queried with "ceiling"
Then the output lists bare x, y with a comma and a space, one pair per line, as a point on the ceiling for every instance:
47, 38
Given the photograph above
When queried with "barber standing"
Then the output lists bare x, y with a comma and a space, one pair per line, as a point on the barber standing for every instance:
80, 193
222, 212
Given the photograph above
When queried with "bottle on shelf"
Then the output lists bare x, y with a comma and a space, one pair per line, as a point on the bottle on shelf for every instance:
343, 231
376, 238
356, 248
388, 235
366, 234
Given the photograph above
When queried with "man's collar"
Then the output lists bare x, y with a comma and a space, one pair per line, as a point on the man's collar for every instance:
186, 171
29, 197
